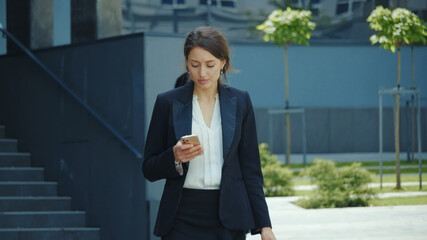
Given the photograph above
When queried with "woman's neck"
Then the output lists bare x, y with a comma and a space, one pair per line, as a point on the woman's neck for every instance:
206, 94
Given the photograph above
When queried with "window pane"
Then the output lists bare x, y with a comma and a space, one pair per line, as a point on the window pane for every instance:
227, 3
315, 12
205, 2
170, 2
342, 8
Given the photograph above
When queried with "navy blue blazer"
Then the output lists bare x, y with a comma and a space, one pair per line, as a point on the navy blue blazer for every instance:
242, 201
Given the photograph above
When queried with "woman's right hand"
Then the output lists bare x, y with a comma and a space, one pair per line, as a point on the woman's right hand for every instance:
186, 152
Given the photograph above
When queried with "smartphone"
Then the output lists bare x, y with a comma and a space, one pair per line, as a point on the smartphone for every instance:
190, 139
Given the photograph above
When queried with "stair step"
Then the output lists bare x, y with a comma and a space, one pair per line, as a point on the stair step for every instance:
15, 159
21, 174
8, 145
2, 131
15, 204
28, 188
42, 219
49, 233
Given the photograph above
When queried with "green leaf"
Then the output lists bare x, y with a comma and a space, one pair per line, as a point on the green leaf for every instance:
287, 26
396, 27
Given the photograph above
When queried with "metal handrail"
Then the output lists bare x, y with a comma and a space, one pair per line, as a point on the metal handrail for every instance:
72, 93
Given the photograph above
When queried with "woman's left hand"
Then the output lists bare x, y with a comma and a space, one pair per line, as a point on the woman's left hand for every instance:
267, 234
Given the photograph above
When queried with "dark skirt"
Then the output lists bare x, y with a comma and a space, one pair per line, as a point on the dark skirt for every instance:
198, 218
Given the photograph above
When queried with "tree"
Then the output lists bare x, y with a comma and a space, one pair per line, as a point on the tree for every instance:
285, 27
395, 29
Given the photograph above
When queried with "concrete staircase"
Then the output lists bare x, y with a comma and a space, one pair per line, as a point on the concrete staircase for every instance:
30, 208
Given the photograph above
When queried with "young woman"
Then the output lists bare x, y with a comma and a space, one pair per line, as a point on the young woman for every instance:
213, 190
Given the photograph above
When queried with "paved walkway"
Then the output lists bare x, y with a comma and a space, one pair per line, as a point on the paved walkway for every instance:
370, 223
361, 223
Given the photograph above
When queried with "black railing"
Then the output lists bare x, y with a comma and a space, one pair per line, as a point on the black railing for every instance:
71, 92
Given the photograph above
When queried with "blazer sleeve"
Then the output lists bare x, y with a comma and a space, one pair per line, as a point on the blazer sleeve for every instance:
158, 156
250, 164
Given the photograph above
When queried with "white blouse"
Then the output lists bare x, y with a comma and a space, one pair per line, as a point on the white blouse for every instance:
204, 171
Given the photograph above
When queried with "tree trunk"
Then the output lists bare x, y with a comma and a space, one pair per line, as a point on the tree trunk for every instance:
412, 107
396, 126
288, 119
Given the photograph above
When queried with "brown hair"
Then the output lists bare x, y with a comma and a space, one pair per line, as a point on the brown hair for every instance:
211, 40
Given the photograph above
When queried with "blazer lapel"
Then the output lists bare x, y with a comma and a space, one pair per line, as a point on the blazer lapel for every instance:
182, 111
182, 114
228, 105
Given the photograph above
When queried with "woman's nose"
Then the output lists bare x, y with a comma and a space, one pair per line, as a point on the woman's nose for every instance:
202, 71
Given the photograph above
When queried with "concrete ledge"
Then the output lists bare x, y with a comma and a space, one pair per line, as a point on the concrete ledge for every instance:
49, 233
42, 219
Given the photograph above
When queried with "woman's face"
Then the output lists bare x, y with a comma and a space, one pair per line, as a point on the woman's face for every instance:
204, 68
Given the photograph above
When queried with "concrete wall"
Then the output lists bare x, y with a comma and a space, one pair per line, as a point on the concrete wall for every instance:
343, 76
338, 84
337, 130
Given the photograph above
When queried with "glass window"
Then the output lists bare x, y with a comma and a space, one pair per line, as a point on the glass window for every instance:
170, 2
228, 4
205, 2
342, 8
315, 12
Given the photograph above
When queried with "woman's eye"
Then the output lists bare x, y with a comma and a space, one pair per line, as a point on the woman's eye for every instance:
211, 66
194, 66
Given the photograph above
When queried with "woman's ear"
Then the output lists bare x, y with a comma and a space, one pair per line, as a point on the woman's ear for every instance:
222, 64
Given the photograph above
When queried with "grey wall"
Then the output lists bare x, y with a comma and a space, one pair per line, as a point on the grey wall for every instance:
338, 84
102, 177
339, 130
324, 75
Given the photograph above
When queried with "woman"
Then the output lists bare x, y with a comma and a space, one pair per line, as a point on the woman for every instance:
213, 190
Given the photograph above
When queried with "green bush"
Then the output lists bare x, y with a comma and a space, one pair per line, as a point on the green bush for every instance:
345, 187
277, 177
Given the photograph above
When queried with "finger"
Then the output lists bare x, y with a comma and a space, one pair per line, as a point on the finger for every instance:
194, 151
194, 154
186, 146
191, 149
190, 154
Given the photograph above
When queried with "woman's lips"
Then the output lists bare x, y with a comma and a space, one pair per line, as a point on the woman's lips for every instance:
202, 81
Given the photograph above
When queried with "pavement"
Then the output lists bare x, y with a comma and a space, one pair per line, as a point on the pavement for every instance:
357, 223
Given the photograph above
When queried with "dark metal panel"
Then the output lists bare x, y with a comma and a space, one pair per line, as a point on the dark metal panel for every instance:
318, 130
102, 177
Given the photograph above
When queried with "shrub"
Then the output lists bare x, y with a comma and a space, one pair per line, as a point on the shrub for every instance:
277, 177
345, 187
